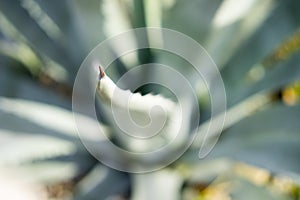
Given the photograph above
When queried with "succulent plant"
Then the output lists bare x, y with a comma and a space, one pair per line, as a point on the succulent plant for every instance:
255, 45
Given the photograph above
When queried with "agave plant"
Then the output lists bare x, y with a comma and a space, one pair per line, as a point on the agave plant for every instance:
254, 45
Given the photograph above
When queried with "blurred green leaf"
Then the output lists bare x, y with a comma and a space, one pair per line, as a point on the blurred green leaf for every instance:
103, 182
28, 119
63, 15
147, 184
17, 83
282, 22
88, 19
244, 190
51, 172
193, 19
269, 138
36, 36
272, 80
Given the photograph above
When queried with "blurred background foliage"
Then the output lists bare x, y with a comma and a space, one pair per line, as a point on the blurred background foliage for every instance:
255, 45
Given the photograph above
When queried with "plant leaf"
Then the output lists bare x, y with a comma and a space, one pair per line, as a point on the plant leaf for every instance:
282, 22
265, 139
101, 183
36, 36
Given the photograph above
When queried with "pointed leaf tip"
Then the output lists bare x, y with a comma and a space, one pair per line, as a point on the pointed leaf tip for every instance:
102, 73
